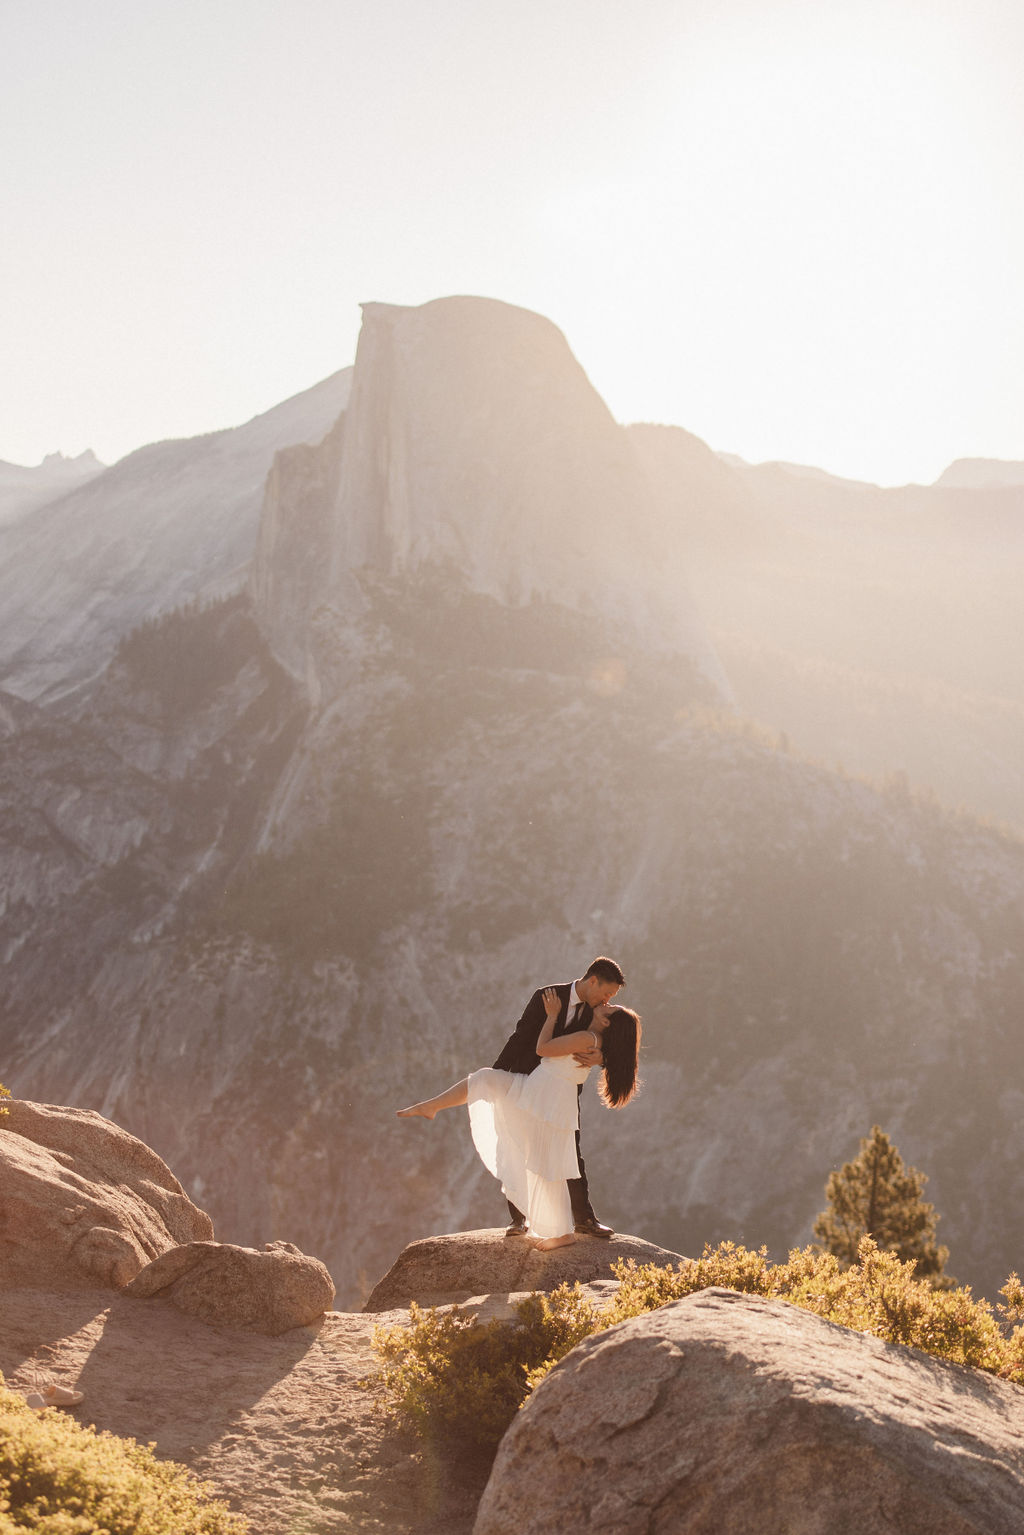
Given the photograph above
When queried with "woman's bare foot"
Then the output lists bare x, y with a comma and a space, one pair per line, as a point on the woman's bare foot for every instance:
52, 1396
416, 1111
550, 1242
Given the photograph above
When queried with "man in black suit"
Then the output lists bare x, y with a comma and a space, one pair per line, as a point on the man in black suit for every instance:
577, 1001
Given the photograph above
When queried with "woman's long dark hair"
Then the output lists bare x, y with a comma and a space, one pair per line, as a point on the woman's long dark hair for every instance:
620, 1044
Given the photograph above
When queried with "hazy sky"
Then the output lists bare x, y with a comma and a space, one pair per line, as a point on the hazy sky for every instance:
795, 227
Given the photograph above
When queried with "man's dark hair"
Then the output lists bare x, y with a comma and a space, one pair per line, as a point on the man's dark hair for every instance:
606, 970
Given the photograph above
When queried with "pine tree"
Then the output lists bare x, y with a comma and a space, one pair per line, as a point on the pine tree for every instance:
876, 1195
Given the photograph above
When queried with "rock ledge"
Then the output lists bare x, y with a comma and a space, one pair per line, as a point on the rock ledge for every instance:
443, 1270
727, 1412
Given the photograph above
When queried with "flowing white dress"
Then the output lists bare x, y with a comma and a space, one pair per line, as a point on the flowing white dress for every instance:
524, 1128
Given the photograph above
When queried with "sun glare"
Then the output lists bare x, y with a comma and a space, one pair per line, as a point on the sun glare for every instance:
803, 205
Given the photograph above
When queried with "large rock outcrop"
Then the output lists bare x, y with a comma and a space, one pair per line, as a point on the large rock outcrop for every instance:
82, 1202
441, 1270
267, 1292
474, 446
725, 1412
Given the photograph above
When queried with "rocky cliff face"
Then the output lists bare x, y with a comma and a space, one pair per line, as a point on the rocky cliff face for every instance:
811, 956
298, 857
171, 523
475, 447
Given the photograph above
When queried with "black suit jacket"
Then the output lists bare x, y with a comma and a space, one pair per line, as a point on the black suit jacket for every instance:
519, 1052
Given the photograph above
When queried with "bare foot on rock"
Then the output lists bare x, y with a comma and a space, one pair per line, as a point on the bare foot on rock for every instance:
53, 1396
549, 1242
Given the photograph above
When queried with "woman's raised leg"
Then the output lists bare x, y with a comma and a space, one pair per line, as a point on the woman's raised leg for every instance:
450, 1099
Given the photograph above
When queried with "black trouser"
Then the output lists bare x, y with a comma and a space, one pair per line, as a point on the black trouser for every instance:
579, 1195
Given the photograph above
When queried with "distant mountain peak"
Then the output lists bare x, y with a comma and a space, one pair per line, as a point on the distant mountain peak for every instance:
785, 467
84, 460
982, 474
475, 443
25, 488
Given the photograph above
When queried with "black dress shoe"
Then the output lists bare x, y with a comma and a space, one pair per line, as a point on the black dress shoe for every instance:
519, 1228
593, 1228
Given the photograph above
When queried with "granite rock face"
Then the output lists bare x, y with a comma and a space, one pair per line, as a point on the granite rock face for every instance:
266, 1292
725, 1412
444, 1269
170, 523
474, 445
82, 1202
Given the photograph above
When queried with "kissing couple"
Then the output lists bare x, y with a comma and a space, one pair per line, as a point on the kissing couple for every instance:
524, 1110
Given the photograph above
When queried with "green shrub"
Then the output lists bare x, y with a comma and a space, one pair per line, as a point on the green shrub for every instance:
879, 1294
454, 1380
459, 1382
58, 1478
4, 1093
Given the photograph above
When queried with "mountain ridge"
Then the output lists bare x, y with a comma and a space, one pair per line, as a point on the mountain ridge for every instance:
23, 488
257, 896
170, 522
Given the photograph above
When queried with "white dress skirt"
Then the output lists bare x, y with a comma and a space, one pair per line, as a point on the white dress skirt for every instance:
524, 1128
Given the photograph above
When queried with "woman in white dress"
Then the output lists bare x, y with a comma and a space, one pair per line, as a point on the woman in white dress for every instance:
524, 1126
